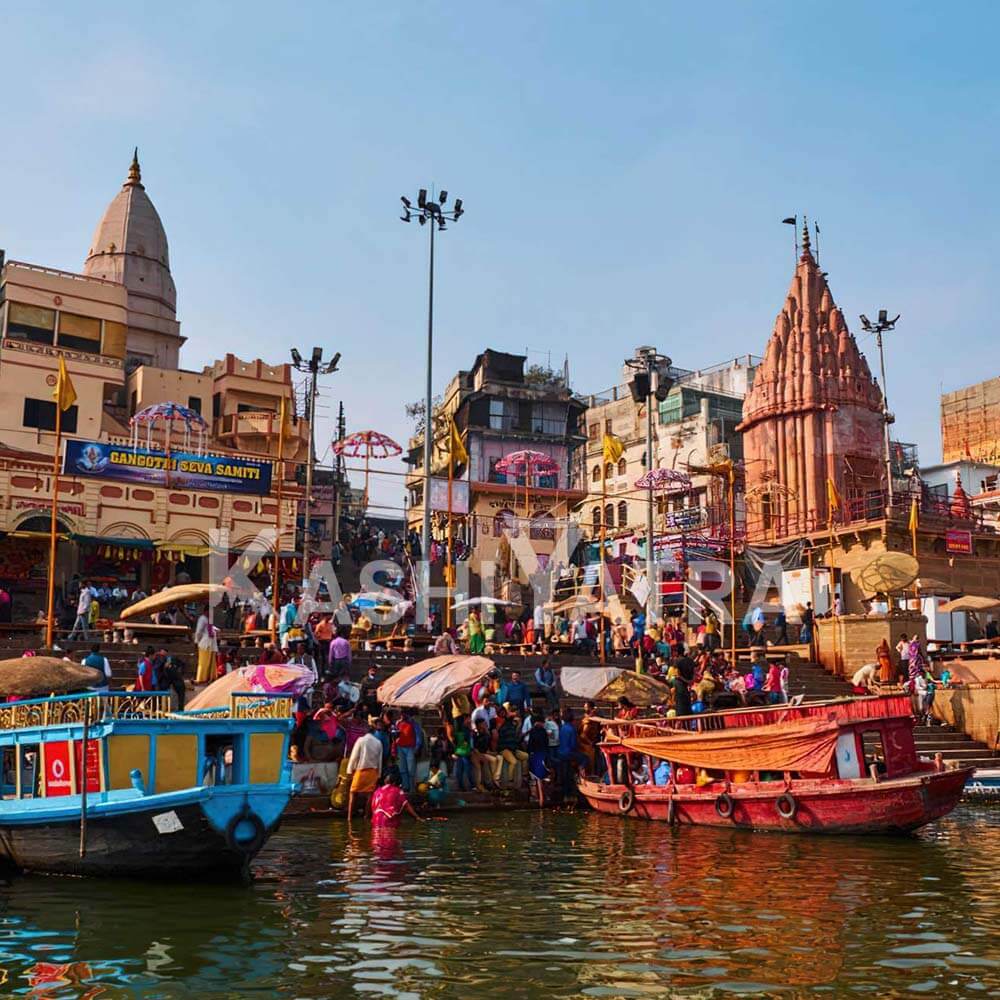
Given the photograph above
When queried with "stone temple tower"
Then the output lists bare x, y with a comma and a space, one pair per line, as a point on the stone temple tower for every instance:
814, 413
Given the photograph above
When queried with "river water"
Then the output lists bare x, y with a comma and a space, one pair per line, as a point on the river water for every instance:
523, 904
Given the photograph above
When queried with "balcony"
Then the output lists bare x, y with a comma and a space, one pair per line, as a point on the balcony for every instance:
258, 424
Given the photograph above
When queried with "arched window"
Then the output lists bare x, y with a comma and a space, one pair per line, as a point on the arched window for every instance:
609, 515
597, 518
609, 471
505, 520
595, 474
622, 513
543, 526
621, 466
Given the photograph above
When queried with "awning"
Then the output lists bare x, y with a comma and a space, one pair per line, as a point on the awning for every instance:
808, 746
121, 543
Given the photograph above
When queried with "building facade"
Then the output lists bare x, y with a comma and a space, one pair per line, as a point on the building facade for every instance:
500, 408
114, 325
970, 423
693, 428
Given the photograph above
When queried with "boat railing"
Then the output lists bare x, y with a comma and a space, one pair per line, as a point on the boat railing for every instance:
95, 706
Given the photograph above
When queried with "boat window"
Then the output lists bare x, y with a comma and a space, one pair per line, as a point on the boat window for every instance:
874, 751
220, 758
9, 773
28, 788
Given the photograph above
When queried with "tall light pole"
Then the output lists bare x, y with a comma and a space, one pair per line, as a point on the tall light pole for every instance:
315, 367
649, 366
884, 325
432, 212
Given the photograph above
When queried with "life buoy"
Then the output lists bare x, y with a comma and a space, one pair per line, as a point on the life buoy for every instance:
626, 801
724, 805
786, 805
245, 833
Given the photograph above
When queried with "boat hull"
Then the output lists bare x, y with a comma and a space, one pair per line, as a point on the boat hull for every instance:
820, 807
129, 845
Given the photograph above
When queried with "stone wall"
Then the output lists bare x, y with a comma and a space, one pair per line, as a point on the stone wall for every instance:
843, 644
973, 709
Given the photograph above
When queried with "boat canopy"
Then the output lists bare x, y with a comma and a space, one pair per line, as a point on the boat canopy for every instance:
806, 746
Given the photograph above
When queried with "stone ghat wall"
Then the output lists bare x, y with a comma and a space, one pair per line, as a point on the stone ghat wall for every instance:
846, 643
973, 709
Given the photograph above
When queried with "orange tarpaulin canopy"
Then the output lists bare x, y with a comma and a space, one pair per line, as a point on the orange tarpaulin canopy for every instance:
807, 746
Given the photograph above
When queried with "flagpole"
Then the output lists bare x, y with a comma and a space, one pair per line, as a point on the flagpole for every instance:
732, 559
832, 503
914, 524
600, 565
49, 620
448, 562
276, 570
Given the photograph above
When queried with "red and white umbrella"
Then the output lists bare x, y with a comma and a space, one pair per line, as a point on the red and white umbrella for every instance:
366, 445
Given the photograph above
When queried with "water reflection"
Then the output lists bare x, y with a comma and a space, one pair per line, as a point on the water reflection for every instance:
529, 905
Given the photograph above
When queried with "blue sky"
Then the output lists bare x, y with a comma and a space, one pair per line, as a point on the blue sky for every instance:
624, 167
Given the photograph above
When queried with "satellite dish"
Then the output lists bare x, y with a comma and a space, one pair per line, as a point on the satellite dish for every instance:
887, 573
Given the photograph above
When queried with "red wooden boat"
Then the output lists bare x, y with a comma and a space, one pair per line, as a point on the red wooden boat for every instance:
846, 766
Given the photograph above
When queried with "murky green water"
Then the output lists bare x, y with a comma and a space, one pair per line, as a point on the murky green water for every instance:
528, 905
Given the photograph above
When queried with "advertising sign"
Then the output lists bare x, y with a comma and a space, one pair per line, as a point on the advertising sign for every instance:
459, 496
227, 474
959, 541
93, 763
58, 778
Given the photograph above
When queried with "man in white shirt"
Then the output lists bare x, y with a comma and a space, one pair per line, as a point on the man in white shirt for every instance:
82, 611
484, 710
364, 766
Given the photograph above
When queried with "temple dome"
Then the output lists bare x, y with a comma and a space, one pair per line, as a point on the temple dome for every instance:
130, 247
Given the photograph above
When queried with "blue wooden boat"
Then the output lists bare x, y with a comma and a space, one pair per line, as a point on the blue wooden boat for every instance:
117, 784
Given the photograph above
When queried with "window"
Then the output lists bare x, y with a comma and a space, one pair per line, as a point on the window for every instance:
41, 413
596, 516
622, 466
548, 418
671, 409
548, 482
194, 403
503, 414
216, 405
874, 751
609, 515
609, 470
505, 521
31, 323
595, 474
80, 333
622, 513
607, 425
594, 431
494, 476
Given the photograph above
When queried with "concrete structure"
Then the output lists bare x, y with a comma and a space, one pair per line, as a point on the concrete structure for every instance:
499, 408
970, 423
115, 326
814, 414
694, 426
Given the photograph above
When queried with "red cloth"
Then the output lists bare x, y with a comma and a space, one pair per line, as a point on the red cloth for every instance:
406, 734
388, 803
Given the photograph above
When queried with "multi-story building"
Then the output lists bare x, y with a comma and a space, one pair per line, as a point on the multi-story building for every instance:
970, 423
694, 427
115, 327
499, 408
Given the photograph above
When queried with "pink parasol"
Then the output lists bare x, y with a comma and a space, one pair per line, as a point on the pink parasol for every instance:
527, 463
664, 480
366, 445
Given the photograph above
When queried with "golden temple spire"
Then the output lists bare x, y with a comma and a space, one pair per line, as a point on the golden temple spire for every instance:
134, 174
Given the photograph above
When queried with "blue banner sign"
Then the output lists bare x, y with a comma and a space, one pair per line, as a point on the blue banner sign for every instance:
181, 470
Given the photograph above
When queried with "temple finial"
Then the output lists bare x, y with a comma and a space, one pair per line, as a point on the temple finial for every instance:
134, 174
805, 235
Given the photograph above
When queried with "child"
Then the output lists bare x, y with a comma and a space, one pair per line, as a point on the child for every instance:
437, 784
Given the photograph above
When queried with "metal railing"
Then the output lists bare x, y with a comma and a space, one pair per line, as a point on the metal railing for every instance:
70, 708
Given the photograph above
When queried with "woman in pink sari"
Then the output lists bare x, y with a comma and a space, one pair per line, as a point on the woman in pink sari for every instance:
389, 802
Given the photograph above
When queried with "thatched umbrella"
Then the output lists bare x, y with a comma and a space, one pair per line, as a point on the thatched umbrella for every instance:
38, 676
188, 593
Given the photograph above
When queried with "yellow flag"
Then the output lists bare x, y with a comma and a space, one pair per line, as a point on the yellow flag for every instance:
64, 393
456, 450
914, 516
832, 496
613, 448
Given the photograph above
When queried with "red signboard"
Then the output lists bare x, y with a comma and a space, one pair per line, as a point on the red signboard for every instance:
959, 541
58, 779
93, 764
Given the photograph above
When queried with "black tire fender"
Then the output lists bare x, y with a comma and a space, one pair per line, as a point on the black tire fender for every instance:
724, 805
242, 845
626, 801
786, 805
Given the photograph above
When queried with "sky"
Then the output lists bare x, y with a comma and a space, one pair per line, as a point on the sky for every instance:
624, 168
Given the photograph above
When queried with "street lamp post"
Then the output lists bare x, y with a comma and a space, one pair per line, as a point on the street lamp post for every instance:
438, 216
884, 325
315, 367
649, 366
